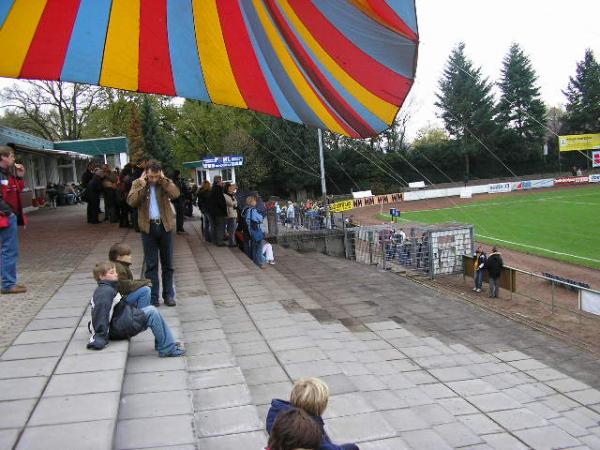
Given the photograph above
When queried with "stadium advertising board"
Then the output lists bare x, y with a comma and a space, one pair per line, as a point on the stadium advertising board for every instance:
338, 207
590, 302
595, 178
222, 162
378, 200
571, 180
499, 187
579, 142
534, 184
596, 159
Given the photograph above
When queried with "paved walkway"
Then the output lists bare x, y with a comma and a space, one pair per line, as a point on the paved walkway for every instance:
408, 367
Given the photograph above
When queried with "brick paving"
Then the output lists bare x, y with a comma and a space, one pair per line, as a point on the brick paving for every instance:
408, 367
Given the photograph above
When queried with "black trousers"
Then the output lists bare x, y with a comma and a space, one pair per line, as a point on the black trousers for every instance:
158, 246
179, 214
219, 231
93, 209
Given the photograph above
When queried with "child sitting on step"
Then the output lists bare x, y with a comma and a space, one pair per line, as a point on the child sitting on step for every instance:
136, 292
294, 429
312, 396
113, 318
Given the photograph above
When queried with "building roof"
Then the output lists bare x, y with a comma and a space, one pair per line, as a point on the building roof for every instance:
89, 147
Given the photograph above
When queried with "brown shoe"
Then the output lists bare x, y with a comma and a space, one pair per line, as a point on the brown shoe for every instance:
15, 290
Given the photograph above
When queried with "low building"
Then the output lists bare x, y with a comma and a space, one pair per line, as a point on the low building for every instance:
59, 162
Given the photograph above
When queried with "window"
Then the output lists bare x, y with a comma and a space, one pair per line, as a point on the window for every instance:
227, 175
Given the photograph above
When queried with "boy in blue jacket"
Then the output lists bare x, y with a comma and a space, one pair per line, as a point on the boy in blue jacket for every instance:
113, 318
312, 396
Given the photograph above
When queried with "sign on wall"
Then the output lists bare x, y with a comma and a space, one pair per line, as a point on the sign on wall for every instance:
222, 162
499, 187
596, 159
579, 142
342, 206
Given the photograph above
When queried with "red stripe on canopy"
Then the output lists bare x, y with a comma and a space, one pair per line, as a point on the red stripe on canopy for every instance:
365, 69
246, 68
155, 74
389, 17
47, 51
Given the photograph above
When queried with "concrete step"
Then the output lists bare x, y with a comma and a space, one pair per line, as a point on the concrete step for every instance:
54, 393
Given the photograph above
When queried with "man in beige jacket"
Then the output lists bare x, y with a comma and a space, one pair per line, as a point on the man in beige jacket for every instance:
151, 194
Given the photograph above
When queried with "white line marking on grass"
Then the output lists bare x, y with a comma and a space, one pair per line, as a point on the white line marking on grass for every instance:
538, 248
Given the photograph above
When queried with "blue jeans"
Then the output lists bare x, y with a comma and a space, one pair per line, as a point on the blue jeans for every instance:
257, 253
479, 279
164, 341
10, 253
159, 243
140, 298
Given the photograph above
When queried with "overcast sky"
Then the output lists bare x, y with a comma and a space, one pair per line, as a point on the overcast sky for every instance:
554, 33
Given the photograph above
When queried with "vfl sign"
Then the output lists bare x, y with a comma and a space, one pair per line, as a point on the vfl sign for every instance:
595, 178
339, 207
499, 187
579, 142
222, 162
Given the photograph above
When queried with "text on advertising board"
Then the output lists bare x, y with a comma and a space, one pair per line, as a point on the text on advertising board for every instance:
342, 206
500, 187
571, 180
596, 159
595, 178
579, 142
222, 162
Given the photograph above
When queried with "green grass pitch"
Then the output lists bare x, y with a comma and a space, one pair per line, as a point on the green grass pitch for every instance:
562, 224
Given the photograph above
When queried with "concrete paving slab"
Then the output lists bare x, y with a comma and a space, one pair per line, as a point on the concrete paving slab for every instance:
141, 364
386, 444
29, 351
21, 388
95, 435
41, 336
234, 420
14, 414
156, 404
549, 437
154, 432
457, 435
37, 367
348, 404
503, 441
50, 324
222, 397
85, 383
493, 402
585, 397
480, 424
518, 419
263, 393
312, 369
362, 427
256, 361
75, 408
91, 362
253, 440
217, 377
209, 362
425, 440
8, 438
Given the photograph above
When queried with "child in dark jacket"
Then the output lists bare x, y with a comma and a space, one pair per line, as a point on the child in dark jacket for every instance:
294, 429
113, 318
312, 396
137, 292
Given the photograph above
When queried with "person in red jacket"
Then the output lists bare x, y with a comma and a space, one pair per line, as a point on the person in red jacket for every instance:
11, 215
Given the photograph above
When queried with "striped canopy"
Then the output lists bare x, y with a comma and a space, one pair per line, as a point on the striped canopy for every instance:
342, 65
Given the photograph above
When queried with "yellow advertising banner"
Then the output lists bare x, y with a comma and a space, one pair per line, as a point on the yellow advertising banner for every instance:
579, 142
339, 207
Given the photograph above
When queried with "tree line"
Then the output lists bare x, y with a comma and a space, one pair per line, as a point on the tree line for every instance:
483, 136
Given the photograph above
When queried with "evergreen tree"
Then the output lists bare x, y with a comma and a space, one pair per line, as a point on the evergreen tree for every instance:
466, 103
583, 97
154, 142
521, 112
135, 135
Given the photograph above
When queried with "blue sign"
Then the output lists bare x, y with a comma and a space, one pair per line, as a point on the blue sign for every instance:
222, 162
394, 212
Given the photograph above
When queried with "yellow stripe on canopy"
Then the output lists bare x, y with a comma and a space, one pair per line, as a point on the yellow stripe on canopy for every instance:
297, 78
121, 52
382, 109
17, 33
218, 74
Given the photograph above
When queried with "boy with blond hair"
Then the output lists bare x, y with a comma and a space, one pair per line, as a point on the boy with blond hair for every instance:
312, 396
114, 319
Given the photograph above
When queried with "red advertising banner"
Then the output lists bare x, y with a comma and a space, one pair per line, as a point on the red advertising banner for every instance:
596, 159
571, 180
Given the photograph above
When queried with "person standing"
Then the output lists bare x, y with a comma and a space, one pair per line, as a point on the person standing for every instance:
291, 214
231, 221
151, 195
479, 268
93, 191
87, 175
203, 200
179, 202
254, 221
109, 192
494, 268
11, 216
218, 211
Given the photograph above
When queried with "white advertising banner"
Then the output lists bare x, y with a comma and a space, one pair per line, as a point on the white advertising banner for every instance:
499, 187
534, 184
362, 194
590, 302
595, 178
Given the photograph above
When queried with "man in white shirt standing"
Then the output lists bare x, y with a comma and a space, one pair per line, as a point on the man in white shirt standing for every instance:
151, 194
